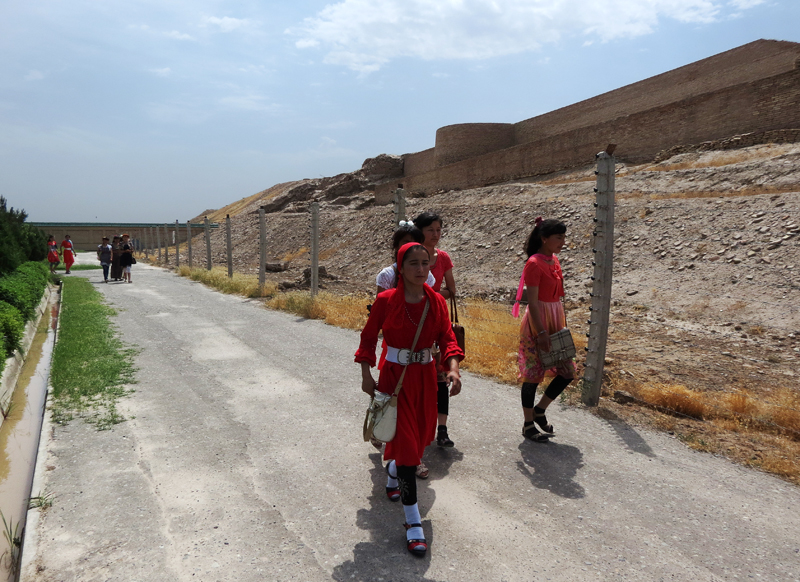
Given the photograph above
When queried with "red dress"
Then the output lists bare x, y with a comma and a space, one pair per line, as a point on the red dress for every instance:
416, 404
52, 252
68, 253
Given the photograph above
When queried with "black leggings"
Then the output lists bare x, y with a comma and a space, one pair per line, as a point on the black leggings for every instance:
554, 389
443, 398
408, 484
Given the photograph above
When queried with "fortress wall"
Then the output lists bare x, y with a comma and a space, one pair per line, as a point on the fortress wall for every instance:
418, 163
756, 106
751, 62
467, 140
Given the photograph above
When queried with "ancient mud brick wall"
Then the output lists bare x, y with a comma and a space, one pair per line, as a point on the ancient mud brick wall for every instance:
752, 88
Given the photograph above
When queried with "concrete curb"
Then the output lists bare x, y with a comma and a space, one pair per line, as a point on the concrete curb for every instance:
8, 381
29, 548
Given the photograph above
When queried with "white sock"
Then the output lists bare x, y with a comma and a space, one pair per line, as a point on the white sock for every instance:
412, 516
392, 481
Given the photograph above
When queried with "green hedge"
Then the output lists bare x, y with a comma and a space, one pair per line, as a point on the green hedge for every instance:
24, 287
12, 326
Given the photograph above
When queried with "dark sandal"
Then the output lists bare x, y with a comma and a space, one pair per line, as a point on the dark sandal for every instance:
393, 493
541, 419
443, 440
529, 431
416, 547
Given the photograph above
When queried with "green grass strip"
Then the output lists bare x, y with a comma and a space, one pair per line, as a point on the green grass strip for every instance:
61, 267
91, 365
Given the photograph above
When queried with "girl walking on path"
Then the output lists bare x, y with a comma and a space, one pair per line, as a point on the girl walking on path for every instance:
544, 316
126, 258
52, 253
430, 224
399, 313
116, 257
67, 252
387, 279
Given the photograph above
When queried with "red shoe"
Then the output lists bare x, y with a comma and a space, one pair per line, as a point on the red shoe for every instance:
418, 547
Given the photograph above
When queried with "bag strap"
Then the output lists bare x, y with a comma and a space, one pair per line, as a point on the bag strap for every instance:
413, 345
453, 309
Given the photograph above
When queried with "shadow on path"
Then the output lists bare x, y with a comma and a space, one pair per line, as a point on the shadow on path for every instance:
385, 555
552, 466
626, 433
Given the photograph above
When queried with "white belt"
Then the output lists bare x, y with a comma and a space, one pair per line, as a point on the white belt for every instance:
405, 356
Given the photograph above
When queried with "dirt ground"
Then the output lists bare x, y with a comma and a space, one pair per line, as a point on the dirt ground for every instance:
706, 286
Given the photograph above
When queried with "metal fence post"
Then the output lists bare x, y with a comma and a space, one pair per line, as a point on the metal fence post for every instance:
207, 229
229, 245
158, 239
603, 269
177, 243
262, 247
146, 243
314, 247
189, 241
399, 205
166, 245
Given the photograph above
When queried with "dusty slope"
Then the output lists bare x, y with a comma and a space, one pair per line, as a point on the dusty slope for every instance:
707, 243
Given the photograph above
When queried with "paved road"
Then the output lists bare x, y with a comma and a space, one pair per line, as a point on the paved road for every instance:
242, 461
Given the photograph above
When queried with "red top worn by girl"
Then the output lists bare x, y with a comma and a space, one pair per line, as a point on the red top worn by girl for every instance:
69, 253
416, 403
548, 278
443, 264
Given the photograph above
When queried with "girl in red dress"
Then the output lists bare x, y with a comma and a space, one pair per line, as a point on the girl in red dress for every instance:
68, 252
544, 316
398, 312
52, 253
430, 224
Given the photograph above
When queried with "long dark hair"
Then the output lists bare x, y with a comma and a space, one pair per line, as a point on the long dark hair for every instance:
542, 230
426, 219
402, 232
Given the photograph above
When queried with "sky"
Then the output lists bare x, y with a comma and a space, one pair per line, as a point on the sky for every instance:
154, 111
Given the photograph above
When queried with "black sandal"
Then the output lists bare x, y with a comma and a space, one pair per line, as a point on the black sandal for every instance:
416, 547
529, 431
541, 419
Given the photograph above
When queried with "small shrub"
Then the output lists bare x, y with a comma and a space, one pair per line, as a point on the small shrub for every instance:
13, 327
300, 303
24, 287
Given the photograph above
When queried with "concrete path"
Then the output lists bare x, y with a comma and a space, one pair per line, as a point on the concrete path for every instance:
243, 461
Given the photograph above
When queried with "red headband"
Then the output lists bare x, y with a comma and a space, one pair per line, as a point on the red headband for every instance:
403, 250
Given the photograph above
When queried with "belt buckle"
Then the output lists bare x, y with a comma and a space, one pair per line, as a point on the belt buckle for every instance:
404, 356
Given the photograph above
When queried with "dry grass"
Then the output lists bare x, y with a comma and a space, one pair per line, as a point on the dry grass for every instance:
217, 278
713, 161
290, 256
347, 311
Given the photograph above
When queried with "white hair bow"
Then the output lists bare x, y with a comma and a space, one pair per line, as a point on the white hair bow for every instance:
406, 223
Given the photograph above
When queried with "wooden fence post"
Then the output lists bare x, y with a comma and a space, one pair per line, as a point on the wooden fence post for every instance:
314, 247
189, 241
603, 269
166, 245
158, 238
399, 205
207, 229
229, 245
177, 243
262, 247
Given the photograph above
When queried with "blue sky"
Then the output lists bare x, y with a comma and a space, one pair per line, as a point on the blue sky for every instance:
130, 111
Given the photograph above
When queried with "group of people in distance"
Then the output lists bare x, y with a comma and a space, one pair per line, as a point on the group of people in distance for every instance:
116, 258
56, 253
411, 303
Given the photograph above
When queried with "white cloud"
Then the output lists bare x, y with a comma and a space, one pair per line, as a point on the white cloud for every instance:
178, 35
745, 4
249, 102
34, 75
226, 23
364, 35
165, 72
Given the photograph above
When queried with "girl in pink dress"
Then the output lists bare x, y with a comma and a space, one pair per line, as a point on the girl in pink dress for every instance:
544, 316
398, 313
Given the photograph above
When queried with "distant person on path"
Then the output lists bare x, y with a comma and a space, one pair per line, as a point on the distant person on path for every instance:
126, 258
116, 257
67, 253
52, 253
104, 252
430, 224
398, 313
544, 316
387, 279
